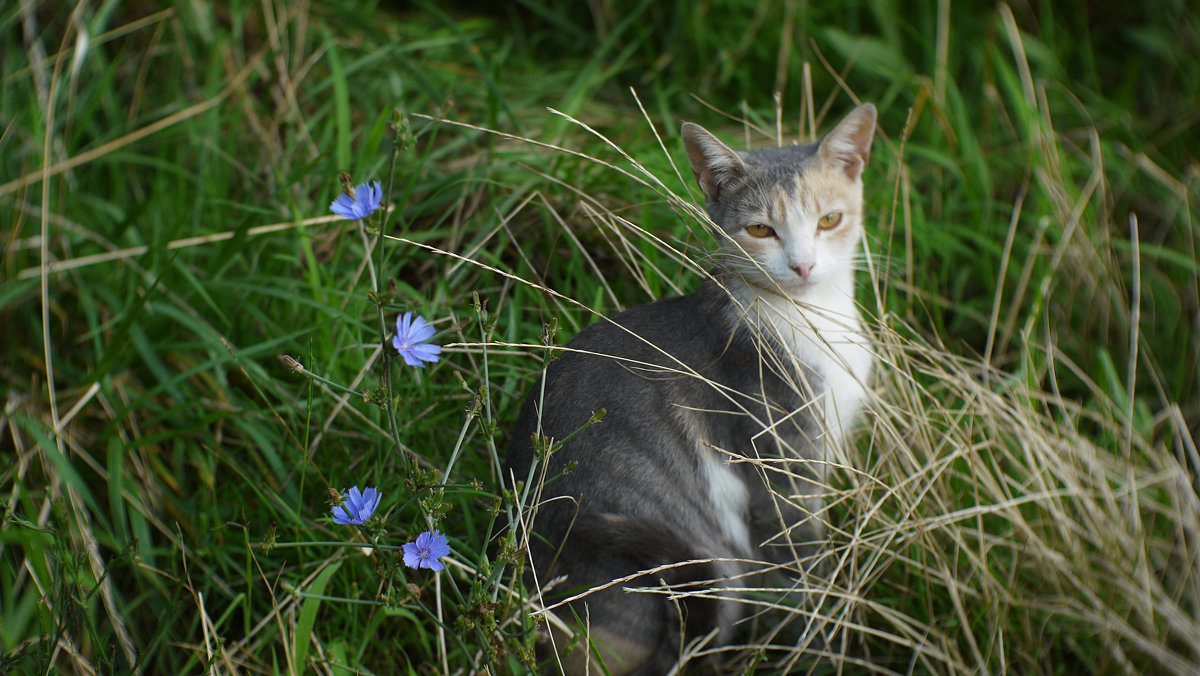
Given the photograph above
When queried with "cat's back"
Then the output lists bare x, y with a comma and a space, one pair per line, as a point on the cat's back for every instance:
630, 365
669, 333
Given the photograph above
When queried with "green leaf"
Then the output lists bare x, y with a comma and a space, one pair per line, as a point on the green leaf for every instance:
308, 615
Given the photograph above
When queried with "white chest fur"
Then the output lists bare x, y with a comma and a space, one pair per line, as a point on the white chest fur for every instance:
730, 499
822, 330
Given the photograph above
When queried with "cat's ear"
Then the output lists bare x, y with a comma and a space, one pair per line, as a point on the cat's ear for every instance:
849, 144
715, 164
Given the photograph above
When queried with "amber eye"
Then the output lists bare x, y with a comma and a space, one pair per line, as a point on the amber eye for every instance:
830, 220
759, 230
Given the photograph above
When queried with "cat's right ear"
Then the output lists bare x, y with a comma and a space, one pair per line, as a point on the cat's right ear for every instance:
716, 165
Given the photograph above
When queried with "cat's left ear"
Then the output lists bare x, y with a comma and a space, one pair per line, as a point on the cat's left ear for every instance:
849, 144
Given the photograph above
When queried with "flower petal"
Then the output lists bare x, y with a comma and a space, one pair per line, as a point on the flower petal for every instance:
340, 516
439, 545
422, 334
426, 351
422, 357
412, 557
344, 206
369, 196
362, 194
425, 357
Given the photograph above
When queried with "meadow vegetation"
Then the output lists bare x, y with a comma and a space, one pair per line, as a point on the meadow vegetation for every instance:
1021, 497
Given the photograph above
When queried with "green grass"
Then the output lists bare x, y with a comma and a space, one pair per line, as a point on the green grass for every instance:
1021, 498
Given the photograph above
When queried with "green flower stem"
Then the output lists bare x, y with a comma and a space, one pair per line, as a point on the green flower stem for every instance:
335, 543
462, 434
399, 142
322, 379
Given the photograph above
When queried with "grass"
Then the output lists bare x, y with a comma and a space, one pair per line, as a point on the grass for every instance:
1023, 496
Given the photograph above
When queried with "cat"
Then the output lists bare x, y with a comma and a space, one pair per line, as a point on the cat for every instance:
766, 360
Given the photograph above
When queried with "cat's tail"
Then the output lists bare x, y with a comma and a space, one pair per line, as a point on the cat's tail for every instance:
633, 632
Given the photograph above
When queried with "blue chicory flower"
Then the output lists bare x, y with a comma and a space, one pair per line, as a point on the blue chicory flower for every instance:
365, 201
425, 552
356, 507
410, 340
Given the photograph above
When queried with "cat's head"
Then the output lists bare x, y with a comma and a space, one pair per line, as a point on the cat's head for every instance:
791, 216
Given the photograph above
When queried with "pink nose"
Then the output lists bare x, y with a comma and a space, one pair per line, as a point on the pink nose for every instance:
803, 270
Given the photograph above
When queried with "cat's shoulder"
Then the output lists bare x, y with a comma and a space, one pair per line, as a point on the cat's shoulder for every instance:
671, 316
